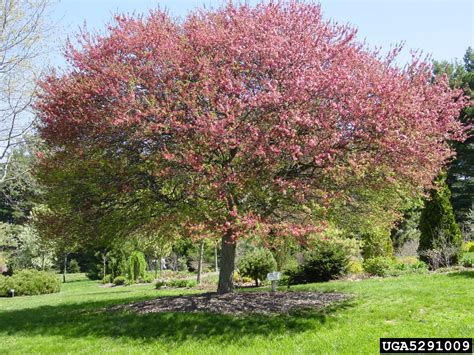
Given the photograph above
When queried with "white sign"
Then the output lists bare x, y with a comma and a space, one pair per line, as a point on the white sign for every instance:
273, 276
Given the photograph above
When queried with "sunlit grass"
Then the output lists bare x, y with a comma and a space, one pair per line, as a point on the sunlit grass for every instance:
76, 320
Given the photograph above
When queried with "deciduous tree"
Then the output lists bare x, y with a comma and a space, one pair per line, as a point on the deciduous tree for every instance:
243, 119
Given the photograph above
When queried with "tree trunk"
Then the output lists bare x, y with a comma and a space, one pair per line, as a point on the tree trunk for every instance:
201, 254
215, 257
104, 264
64, 268
226, 274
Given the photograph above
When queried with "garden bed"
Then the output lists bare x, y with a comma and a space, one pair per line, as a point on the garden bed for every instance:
238, 303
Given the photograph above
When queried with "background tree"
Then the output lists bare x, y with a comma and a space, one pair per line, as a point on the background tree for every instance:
20, 190
23, 26
437, 221
241, 119
460, 177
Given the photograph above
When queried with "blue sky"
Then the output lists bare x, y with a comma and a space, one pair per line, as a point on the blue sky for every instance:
442, 28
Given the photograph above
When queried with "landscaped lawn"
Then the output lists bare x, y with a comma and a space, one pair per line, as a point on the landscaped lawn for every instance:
76, 320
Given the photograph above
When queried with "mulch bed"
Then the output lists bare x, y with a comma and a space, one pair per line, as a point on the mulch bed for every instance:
237, 303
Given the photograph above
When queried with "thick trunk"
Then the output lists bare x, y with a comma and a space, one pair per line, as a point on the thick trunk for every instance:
201, 253
226, 282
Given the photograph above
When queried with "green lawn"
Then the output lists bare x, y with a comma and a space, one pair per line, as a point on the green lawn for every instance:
76, 321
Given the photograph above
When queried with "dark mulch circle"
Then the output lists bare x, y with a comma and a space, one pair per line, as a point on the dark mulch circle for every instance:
237, 303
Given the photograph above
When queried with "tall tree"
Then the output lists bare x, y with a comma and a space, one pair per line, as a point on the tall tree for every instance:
461, 170
241, 120
437, 223
19, 190
23, 26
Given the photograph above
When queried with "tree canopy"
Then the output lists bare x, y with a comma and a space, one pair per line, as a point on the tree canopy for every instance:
241, 119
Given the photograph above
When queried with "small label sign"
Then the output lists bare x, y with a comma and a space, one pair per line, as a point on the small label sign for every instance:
273, 276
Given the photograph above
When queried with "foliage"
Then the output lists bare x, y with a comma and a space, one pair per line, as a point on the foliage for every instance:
440, 235
257, 265
468, 247
410, 266
176, 283
460, 177
119, 280
378, 265
146, 279
116, 260
239, 279
23, 248
406, 229
25, 28
377, 244
137, 266
327, 260
467, 260
107, 279
235, 119
73, 267
29, 282
20, 189
355, 267
383, 266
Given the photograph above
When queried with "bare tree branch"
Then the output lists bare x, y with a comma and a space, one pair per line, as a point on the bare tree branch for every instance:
23, 27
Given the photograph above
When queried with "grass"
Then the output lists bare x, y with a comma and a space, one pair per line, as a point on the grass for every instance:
76, 321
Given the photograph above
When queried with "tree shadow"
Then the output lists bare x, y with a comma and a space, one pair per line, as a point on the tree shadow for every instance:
463, 274
96, 319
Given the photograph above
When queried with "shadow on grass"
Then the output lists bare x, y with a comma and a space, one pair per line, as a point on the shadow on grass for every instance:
95, 319
464, 274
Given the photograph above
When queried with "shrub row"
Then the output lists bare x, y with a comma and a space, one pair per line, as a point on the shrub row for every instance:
385, 266
176, 283
122, 280
29, 282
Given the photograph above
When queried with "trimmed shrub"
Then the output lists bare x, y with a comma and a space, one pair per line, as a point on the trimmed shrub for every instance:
107, 279
468, 247
177, 283
355, 267
119, 280
160, 284
137, 266
29, 282
379, 266
257, 265
467, 260
327, 261
147, 279
73, 267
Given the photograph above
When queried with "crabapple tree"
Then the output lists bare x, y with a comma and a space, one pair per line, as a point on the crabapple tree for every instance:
242, 120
